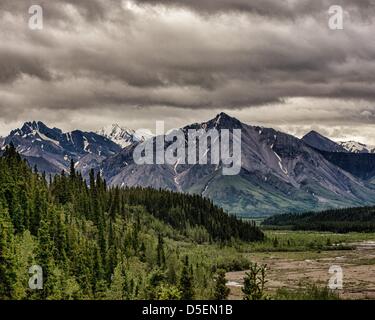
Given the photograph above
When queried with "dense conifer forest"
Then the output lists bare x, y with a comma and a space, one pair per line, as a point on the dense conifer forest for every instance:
98, 242
336, 220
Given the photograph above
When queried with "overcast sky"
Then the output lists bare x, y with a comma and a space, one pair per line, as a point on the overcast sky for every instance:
268, 62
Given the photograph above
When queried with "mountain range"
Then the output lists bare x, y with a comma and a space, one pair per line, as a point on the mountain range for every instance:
318, 141
51, 150
280, 173
353, 157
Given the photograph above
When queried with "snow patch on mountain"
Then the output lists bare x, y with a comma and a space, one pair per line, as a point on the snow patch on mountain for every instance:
122, 136
176, 175
86, 144
51, 148
357, 147
281, 164
44, 137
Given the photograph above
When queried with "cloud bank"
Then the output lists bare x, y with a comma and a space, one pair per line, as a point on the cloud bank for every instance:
184, 59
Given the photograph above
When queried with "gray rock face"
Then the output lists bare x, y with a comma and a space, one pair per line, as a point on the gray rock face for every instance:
280, 173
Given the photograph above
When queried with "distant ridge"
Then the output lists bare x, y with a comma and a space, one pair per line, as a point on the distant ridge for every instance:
318, 141
279, 172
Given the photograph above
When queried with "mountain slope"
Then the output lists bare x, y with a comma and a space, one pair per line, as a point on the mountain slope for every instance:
361, 165
52, 150
320, 142
280, 173
353, 157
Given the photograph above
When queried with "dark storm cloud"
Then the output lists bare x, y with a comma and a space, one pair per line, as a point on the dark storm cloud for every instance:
262, 7
188, 54
281, 9
90, 9
14, 65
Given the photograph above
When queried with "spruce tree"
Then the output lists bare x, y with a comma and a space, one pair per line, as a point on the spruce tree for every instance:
160, 252
72, 169
221, 289
186, 282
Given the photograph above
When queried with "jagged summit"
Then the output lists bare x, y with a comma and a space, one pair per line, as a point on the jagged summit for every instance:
123, 136
357, 147
51, 149
118, 134
35, 127
223, 119
314, 134
320, 142
220, 121
223, 115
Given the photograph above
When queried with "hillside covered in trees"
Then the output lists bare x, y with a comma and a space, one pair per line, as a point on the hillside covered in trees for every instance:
95, 242
339, 220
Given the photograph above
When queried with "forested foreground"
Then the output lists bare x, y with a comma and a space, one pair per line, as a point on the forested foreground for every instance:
95, 242
336, 220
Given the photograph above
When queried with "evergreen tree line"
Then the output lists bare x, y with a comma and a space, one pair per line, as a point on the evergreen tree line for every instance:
345, 220
182, 211
96, 242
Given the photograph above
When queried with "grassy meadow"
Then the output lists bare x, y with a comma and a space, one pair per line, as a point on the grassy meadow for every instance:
297, 262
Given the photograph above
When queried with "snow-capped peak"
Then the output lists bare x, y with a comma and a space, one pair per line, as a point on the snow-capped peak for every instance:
357, 147
123, 136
